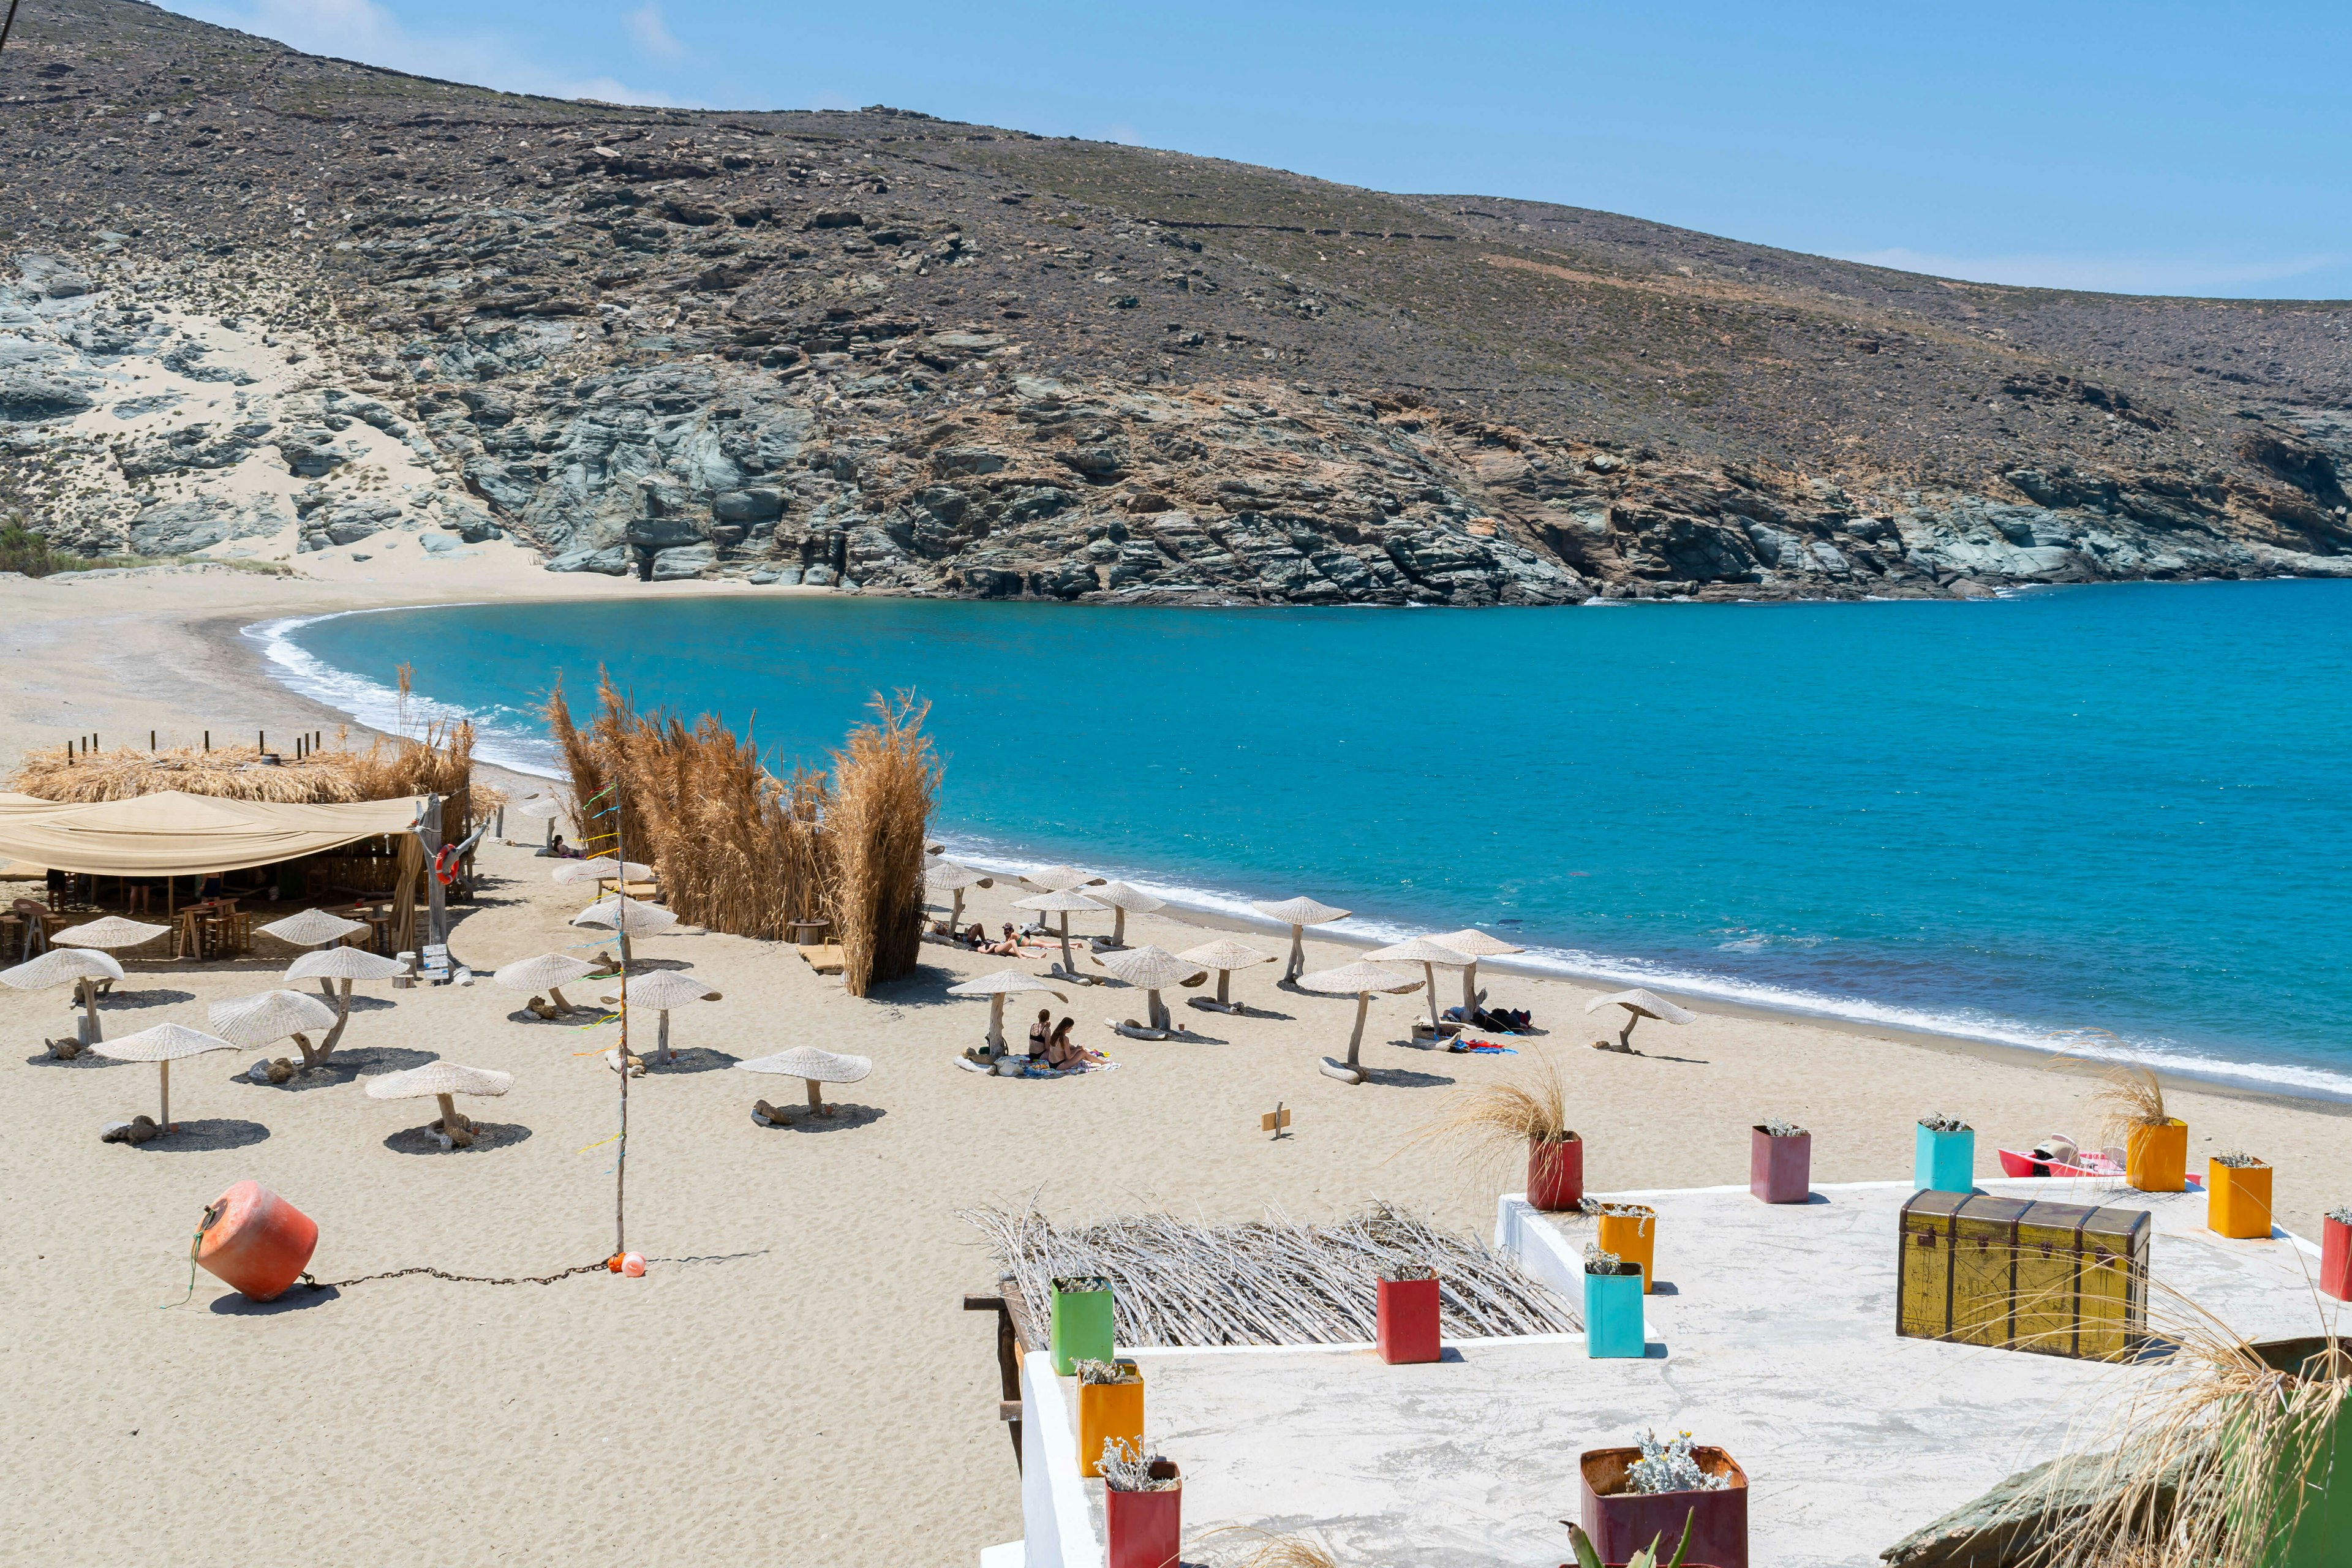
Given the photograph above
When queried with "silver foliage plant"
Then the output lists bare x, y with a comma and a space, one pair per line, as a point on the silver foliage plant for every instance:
1100, 1372
1126, 1469
1596, 1261
2237, 1160
1668, 1466
1776, 1128
2341, 1215
1943, 1124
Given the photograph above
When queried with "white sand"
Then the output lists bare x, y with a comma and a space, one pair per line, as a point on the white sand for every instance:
794, 1380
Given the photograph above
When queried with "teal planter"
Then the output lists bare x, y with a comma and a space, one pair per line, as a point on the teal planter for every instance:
1612, 1315
1081, 1328
1946, 1162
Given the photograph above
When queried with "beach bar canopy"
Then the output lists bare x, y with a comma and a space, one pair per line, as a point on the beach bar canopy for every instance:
174, 834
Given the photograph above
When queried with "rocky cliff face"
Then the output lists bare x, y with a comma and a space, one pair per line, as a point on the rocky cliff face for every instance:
880, 350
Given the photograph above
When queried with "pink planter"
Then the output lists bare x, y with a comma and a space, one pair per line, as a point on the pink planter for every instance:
1780, 1169
1555, 1174
1622, 1523
1146, 1528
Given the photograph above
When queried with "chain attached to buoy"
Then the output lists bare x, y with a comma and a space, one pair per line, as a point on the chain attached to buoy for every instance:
212, 1211
597, 1266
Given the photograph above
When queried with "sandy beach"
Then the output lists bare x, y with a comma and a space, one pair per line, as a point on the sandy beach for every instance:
794, 1377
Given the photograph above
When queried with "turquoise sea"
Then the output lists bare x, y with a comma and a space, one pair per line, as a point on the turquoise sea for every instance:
2109, 816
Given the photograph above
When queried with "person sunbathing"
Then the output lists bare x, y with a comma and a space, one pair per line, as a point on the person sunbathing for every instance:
1061, 1051
1008, 948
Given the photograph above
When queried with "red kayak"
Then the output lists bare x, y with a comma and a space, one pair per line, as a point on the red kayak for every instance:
2085, 1162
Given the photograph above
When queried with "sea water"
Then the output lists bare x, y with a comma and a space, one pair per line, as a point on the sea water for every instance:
2093, 818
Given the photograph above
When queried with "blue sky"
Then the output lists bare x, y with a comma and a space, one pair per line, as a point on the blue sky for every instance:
2148, 148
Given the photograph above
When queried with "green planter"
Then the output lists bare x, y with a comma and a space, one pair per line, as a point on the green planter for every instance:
1082, 1325
2320, 1470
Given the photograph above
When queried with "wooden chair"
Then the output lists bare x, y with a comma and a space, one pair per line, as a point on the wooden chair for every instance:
236, 933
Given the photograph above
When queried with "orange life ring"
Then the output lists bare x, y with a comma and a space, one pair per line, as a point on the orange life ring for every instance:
445, 865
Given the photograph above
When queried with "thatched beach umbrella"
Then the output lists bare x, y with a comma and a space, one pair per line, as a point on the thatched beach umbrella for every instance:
996, 988
1152, 970
164, 1043
1065, 904
661, 990
441, 1081
1361, 980
545, 972
603, 868
313, 929
1638, 1004
1478, 945
83, 966
626, 916
1126, 900
1427, 952
813, 1067
113, 933
957, 880
343, 965
539, 808
1298, 914
273, 1015
1225, 955
1061, 879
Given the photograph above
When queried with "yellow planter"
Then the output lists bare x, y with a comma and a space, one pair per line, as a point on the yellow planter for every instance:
2238, 1200
1108, 1410
2155, 1159
1633, 1238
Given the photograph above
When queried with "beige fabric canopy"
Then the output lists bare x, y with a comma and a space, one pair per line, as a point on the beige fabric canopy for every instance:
171, 834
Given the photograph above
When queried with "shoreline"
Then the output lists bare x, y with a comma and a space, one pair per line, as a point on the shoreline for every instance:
1215, 908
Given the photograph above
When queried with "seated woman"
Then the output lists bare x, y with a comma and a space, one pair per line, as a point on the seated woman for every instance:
977, 937
1061, 1051
1008, 948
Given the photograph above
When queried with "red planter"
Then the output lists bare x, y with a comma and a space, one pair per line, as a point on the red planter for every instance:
1556, 1173
1622, 1523
1407, 1321
1780, 1169
2335, 1258
1146, 1528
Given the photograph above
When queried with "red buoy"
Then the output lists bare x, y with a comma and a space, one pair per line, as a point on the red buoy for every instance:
256, 1242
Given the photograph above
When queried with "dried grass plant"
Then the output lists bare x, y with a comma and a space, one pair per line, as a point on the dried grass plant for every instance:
1494, 1122
2128, 1096
2209, 1461
886, 781
1272, 1550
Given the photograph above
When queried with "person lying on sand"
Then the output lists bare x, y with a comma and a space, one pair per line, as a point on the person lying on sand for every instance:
1008, 948
562, 851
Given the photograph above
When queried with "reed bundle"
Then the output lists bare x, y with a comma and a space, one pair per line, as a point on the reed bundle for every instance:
1493, 1121
2128, 1096
1267, 1282
886, 781
226, 773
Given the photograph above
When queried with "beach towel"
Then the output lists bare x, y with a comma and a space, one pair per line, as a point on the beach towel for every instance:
1481, 1047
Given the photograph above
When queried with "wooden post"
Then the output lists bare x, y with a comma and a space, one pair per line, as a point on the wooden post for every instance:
163, 1074
89, 1006
435, 922
208, 740
666, 1058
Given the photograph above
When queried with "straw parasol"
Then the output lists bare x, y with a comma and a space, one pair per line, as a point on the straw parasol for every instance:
112, 933
626, 916
1359, 980
545, 972
1429, 953
1225, 955
1153, 970
996, 988
1298, 914
441, 1081
83, 966
603, 868
342, 965
539, 808
957, 880
1478, 945
313, 929
1065, 904
272, 1016
813, 1067
663, 989
1060, 878
164, 1043
1126, 900
1638, 1004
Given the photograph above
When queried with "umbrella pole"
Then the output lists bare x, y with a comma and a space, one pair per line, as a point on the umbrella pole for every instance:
1070, 966
1356, 1040
1224, 980
955, 913
1470, 990
1158, 1010
163, 1077
450, 1120
666, 1058
817, 1098
342, 1016
1429, 983
556, 996
326, 986
996, 1023
1297, 965
1118, 926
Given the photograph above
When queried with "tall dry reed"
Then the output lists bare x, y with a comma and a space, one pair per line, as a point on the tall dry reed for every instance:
886, 779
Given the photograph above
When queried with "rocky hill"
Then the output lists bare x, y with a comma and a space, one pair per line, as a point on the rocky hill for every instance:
265, 301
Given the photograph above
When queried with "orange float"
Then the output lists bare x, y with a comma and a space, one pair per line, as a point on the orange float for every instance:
255, 1241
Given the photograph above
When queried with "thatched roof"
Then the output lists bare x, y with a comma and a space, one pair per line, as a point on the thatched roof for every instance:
1299, 911
162, 1043
439, 1077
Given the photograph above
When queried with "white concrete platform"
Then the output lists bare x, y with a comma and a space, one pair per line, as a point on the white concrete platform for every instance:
1772, 1334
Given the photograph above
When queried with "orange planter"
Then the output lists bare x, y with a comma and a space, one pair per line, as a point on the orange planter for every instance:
1108, 1410
1633, 1238
2155, 1159
2238, 1200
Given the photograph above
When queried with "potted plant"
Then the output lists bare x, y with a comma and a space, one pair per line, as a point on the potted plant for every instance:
1110, 1411
1641, 1493
1946, 1156
2335, 1253
1406, 1312
1589, 1556
1631, 1232
1143, 1509
2238, 1196
1499, 1119
1612, 1306
1781, 1163
1080, 1327
2156, 1145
